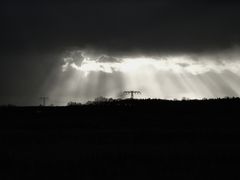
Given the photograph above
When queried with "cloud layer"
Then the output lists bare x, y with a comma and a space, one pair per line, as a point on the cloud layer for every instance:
191, 63
36, 35
120, 27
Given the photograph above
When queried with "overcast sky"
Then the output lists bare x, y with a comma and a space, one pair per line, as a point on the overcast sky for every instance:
35, 37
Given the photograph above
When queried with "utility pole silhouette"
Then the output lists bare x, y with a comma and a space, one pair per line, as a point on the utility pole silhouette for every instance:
44, 100
132, 93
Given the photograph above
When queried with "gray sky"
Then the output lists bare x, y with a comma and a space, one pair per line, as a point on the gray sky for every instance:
36, 36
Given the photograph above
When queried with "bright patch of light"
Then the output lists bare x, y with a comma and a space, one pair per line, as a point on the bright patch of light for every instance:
86, 77
176, 64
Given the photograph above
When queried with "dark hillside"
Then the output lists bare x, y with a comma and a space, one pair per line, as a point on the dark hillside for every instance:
127, 139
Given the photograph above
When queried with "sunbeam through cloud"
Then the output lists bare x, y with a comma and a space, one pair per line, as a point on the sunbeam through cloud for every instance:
86, 77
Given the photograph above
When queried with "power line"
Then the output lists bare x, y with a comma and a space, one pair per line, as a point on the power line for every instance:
44, 100
131, 93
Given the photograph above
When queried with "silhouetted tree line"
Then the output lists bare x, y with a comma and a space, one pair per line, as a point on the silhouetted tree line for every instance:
110, 101
106, 101
73, 103
8, 105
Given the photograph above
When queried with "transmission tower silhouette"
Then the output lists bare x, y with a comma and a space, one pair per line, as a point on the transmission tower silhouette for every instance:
44, 100
131, 93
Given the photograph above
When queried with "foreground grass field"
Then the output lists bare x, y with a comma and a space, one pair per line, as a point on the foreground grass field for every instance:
128, 139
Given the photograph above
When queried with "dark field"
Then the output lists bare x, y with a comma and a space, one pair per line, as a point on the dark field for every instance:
129, 139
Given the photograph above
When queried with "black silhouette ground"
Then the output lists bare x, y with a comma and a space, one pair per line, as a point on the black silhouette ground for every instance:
129, 139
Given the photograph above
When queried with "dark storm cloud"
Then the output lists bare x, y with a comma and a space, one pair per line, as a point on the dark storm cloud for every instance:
119, 27
74, 57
